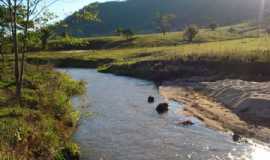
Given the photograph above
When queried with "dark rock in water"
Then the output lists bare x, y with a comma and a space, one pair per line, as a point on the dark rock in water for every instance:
162, 108
236, 137
186, 123
151, 99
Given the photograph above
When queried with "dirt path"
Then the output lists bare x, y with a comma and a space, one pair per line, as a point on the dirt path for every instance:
240, 106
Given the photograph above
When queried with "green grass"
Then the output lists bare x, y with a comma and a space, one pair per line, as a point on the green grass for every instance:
243, 50
243, 30
42, 126
230, 56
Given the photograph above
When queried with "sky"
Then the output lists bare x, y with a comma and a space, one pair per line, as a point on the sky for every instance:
64, 8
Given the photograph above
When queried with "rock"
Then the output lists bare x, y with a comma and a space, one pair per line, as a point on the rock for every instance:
236, 137
162, 108
151, 99
186, 123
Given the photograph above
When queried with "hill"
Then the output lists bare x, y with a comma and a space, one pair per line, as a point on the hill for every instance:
139, 15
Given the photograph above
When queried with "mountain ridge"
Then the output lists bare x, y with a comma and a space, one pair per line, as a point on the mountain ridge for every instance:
139, 15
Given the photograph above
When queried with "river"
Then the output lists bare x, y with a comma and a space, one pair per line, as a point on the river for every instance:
118, 124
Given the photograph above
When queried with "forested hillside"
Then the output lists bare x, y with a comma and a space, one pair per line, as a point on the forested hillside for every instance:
139, 15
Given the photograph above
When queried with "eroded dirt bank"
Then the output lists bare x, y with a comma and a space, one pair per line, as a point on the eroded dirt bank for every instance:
240, 106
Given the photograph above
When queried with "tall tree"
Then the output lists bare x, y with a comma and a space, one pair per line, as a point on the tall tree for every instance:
20, 18
191, 32
164, 22
3, 25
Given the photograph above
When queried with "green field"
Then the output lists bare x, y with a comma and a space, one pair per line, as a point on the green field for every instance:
241, 49
148, 55
244, 30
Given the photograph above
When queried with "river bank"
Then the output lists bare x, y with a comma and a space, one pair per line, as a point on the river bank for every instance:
227, 105
222, 104
41, 127
249, 62
123, 125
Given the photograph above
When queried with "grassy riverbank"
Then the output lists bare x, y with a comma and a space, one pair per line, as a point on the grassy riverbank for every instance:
243, 57
41, 127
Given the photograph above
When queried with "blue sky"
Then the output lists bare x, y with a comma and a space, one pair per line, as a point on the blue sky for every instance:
63, 8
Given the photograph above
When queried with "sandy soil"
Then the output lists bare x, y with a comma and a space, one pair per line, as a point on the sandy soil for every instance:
228, 105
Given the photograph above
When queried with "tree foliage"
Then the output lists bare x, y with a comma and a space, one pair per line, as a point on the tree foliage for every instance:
191, 32
45, 34
20, 16
213, 26
119, 31
164, 22
127, 33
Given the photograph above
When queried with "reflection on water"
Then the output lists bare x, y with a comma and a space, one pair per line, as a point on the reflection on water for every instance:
124, 126
259, 152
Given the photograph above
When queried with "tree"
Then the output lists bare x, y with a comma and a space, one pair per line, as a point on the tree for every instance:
2, 42
20, 16
119, 31
45, 34
45, 29
191, 32
127, 33
65, 32
164, 22
213, 26
3, 26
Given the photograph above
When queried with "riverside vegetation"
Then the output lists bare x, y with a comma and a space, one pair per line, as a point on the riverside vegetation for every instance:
42, 125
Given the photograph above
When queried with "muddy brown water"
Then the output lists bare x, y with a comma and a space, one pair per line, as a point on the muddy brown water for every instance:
118, 124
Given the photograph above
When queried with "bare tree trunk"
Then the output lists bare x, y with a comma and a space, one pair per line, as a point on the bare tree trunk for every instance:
25, 43
13, 15
16, 64
2, 53
2, 69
